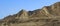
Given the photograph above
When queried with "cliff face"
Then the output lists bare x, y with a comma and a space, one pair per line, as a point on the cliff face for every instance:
47, 16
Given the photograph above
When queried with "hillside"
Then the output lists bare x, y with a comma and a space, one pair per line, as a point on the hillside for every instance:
46, 16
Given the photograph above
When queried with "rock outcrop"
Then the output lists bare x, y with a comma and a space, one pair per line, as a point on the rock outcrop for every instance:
46, 16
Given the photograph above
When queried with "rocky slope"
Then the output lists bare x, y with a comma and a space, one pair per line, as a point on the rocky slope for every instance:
47, 16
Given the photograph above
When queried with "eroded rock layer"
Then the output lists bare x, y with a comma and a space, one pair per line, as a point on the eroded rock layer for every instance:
47, 16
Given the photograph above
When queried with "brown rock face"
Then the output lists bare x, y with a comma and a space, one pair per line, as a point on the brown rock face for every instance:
47, 16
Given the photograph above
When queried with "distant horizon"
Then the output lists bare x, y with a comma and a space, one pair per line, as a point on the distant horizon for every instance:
10, 7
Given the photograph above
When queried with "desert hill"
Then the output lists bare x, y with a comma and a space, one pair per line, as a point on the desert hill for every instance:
46, 16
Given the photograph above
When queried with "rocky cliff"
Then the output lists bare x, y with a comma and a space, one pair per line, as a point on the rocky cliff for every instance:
46, 16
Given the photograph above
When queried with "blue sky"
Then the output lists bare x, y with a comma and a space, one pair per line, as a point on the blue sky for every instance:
9, 7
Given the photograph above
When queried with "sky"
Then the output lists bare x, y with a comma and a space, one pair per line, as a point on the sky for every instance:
10, 7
